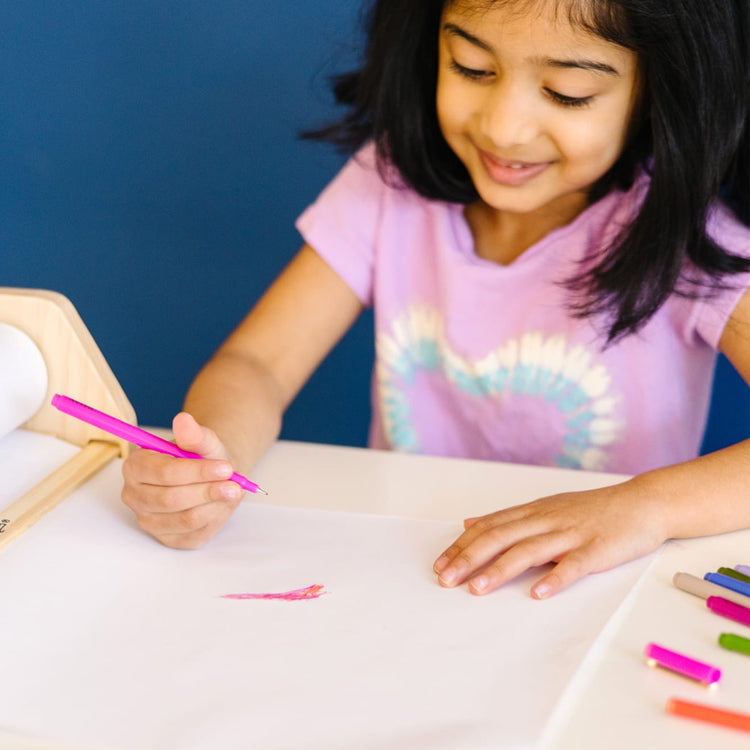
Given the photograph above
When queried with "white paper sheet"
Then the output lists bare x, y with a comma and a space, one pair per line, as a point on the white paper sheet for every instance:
112, 641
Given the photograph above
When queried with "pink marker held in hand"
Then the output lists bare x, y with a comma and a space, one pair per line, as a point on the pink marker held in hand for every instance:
136, 435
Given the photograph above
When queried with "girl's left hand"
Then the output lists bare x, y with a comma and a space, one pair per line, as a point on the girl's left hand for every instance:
583, 532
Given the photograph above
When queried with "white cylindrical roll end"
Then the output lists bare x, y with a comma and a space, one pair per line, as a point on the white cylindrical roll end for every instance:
23, 378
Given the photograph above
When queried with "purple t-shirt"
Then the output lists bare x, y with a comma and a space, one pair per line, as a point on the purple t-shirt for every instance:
480, 360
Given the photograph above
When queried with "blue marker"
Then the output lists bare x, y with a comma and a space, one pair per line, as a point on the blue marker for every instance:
729, 583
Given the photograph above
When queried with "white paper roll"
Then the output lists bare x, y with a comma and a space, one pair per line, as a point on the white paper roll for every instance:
23, 378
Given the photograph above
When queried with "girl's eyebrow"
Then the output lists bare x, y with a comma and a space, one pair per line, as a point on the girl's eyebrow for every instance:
595, 66
584, 64
454, 30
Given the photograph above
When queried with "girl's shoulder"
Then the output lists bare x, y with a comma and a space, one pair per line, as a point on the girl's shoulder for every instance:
727, 231
708, 311
358, 214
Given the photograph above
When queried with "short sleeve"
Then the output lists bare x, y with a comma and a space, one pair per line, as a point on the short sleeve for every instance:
342, 224
712, 313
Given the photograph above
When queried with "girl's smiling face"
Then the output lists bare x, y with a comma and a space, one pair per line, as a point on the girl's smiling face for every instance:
536, 109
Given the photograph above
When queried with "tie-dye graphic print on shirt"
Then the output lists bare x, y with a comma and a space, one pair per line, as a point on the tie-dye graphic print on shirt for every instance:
535, 380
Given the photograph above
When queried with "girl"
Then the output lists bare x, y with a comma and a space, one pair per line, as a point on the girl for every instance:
548, 209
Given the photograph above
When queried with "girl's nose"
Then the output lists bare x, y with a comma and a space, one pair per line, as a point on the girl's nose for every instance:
508, 115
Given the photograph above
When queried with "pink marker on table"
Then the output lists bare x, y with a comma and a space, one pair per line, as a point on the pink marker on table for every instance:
696, 670
135, 435
728, 609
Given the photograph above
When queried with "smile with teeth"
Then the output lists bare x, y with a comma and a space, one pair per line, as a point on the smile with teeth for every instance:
510, 172
512, 163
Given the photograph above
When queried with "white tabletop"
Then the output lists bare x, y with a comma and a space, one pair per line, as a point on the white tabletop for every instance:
355, 480
609, 697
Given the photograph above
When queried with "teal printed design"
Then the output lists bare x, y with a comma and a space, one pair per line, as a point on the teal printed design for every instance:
535, 366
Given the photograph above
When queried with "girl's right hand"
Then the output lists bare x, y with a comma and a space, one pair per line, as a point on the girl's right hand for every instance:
182, 502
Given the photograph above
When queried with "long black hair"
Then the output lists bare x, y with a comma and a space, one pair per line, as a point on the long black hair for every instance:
692, 136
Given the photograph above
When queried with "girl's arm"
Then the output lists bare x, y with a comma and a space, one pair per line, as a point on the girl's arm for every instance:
587, 532
236, 402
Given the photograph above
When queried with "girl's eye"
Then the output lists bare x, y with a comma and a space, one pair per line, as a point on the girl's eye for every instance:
569, 101
471, 73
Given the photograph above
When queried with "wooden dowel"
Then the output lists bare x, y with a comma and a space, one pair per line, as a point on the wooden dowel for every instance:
46, 495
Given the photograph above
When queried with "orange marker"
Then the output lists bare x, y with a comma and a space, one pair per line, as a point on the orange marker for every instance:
712, 715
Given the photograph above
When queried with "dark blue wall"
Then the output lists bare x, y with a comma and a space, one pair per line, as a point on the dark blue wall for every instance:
150, 171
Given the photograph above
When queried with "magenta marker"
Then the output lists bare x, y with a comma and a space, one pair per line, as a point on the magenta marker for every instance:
135, 435
658, 656
728, 609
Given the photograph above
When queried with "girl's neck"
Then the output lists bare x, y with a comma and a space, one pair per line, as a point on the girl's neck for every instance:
503, 236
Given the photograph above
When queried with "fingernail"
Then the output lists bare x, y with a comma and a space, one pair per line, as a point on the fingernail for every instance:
479, 583
541, 591
448, 577
230, 491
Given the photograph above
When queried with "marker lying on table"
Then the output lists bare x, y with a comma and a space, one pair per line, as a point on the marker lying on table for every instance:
710, 714
729, 583
725, 608
704, 589
732, 573
135, 435
733, 642
658, 656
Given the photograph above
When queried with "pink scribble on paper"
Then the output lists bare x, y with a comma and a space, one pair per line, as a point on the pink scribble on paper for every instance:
311, 592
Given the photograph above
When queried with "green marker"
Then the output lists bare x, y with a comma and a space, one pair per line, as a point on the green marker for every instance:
733, 642
732, 573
